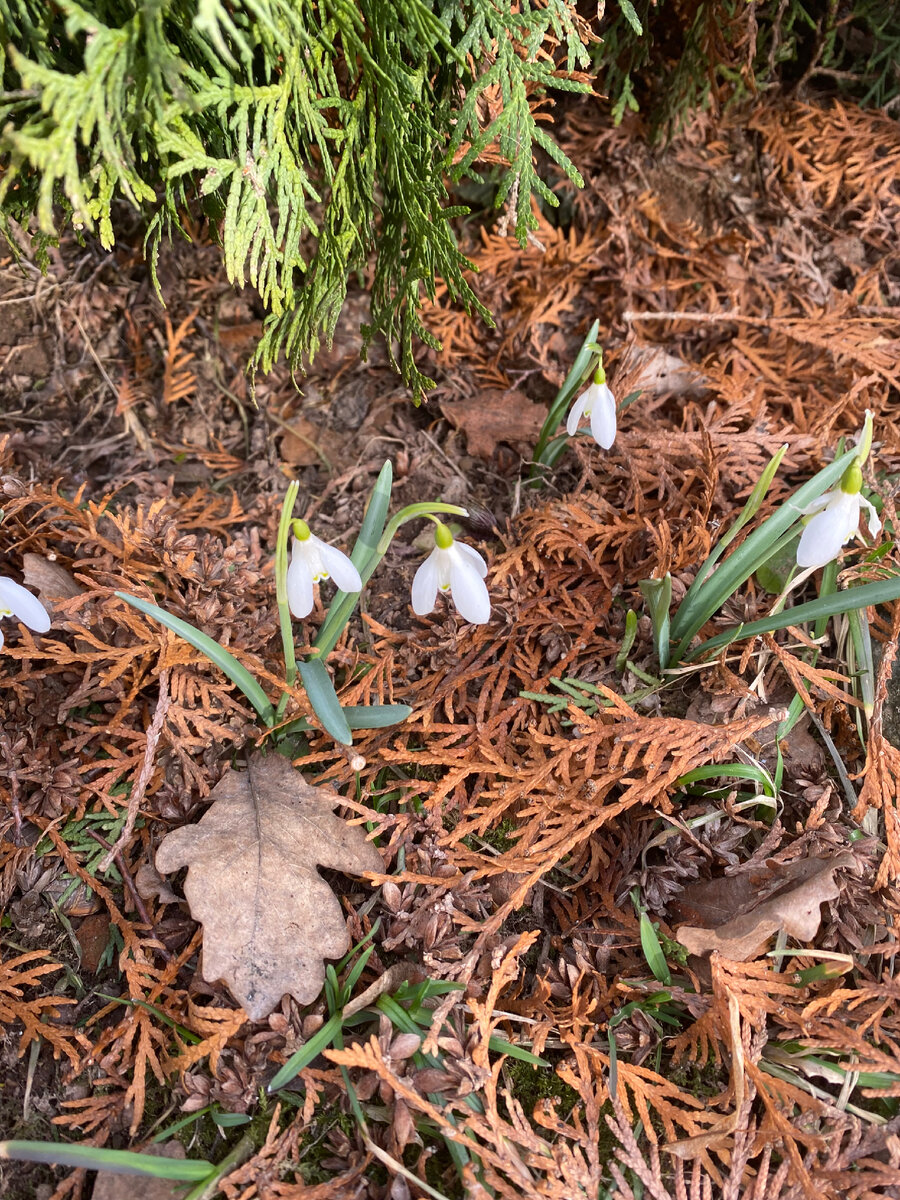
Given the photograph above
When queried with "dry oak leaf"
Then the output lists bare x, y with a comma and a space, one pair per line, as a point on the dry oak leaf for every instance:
268, 917
789, 899
494, 417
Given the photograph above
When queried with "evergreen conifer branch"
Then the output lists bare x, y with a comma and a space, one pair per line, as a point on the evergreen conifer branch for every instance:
318, 136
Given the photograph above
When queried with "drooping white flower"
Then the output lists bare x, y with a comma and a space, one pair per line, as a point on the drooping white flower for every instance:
455, 568
598, 403
313, 560
835, 519
18, 602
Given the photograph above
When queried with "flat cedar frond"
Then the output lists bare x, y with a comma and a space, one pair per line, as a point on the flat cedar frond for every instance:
178, 381
18, 976
834, 151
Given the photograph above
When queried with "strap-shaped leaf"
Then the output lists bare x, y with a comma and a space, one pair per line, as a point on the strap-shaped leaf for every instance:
119, 1162
699, 604
375, 716
225, 661
881, 592
363, 557
323, 698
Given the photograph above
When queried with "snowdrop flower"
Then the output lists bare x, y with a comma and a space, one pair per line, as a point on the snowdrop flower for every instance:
455, 568
598, 403
18, 602
311, 561
836, 520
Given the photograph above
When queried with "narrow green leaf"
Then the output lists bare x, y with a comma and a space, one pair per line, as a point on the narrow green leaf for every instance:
869, 594
227, 1120
562, 399
311, 1049
364, 557
729, 771
653, 952
119, 1162
375, 517
706, 598
750, 509
501, 1046
631, 627
226, 662
324, 700
376, 716
658, 595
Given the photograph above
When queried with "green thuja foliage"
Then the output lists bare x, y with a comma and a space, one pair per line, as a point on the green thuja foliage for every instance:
318, 135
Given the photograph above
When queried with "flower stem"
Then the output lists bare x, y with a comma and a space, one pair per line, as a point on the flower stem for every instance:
281, 568
424, 509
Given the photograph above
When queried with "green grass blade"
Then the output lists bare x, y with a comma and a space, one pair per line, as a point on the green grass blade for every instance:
319, 1041
631, 628
375, 517
653, 951
226, 662
750, 509
869, 594
324, 700
501, 1046
119, 1162
729, 771
658, 595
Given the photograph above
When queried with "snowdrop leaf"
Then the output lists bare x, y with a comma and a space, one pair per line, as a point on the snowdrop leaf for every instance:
883, 591
226, 662
324, 700
376, 716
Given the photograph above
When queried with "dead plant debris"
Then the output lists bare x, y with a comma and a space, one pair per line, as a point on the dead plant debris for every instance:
747, 282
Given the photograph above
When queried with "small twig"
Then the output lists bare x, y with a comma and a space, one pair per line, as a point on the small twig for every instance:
132, 891
137, 792
394, 1165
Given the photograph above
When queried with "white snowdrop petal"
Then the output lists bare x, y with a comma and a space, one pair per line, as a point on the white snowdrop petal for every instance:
473, 556
817, 505
425, 585
603, 417
575, 414
299, 587
340, 568
821, 540
2, 639
470, 595
872, 518
23, 605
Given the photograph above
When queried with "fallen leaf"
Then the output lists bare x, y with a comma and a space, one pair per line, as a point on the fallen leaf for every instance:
746, 910
49, 579
305, 444
150, 884
495, 417
93, 935
268, 917
109, 1186
656, 372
